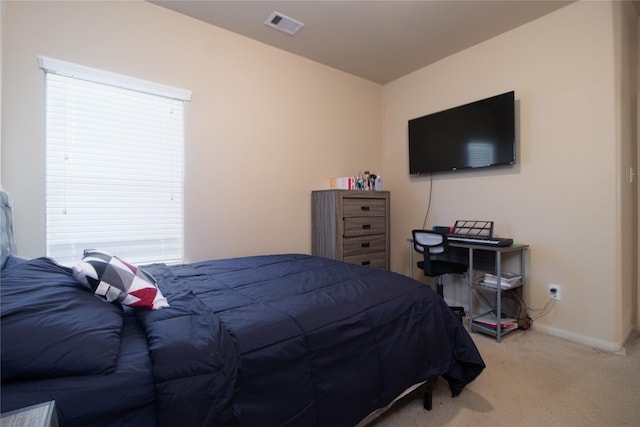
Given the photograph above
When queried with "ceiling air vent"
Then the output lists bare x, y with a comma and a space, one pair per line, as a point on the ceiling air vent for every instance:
283, 23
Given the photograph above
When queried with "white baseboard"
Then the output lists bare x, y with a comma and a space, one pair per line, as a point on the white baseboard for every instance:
615, 347
611, 346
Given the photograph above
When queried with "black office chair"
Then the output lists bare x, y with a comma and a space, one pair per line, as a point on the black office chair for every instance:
433, 245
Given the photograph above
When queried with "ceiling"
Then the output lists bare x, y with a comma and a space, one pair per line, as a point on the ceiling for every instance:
376, 40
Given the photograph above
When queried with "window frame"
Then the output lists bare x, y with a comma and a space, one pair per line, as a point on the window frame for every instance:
167, 98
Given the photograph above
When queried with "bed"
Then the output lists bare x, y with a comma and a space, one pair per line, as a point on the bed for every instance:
274, 340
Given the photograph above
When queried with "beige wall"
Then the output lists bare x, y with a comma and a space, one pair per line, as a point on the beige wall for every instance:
1, 62
564, 195
264, 127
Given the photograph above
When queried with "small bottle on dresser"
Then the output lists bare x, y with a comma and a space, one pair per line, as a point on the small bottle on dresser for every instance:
378, 183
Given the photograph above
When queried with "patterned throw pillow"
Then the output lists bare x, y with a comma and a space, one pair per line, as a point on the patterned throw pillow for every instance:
116, 280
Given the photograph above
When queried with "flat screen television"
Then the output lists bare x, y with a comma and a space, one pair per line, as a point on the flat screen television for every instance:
475, 135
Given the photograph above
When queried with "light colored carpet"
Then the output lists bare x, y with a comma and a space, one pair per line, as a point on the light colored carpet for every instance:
533, 379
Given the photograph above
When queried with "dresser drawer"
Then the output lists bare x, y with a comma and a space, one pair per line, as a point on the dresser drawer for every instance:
364, 226
364, 244
354, 207
375, 260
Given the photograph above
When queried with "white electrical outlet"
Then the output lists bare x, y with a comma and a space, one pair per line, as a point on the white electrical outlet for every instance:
554, 292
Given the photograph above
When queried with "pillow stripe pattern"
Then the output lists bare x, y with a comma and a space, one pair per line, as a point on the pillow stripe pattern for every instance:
113, 279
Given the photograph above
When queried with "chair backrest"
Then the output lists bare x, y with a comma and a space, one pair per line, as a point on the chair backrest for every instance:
434, 241
429, 243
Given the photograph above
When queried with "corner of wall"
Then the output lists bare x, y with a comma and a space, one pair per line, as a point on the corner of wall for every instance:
1, 67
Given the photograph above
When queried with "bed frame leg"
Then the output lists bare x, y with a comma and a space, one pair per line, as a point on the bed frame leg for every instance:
428, 395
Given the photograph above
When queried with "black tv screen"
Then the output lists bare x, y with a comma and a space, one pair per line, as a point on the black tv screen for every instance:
475, 135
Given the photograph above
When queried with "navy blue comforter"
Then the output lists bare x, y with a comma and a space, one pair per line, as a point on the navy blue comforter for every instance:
280, 340
320, 342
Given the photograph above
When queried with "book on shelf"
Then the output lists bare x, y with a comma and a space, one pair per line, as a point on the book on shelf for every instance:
490, 322
494, 329
507, 280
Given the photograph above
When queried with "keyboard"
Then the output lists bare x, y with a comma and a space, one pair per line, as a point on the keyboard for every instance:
480, 240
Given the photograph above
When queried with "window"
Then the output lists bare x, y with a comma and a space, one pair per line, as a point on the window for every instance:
114, 165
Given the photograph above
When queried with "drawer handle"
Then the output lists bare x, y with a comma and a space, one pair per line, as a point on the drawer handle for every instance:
366, 226
365, 262
365, 245
365, 208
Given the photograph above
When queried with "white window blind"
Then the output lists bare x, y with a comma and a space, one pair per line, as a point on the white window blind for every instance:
114, 165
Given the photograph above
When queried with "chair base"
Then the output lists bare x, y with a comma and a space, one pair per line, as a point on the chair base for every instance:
458, 311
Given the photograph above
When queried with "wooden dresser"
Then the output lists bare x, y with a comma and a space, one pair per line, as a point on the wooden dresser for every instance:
351, 226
